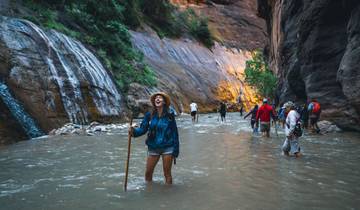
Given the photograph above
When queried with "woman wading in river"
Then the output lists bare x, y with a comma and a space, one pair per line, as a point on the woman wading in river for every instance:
162, 136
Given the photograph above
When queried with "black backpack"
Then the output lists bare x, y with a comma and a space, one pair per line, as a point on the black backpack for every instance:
298, 131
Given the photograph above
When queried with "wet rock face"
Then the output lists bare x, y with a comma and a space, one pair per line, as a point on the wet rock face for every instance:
315, 50
56, 78
189, 72
10, 130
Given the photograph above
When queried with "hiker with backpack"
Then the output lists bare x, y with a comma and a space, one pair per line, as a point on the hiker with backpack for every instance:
241, 110
162, 136
253, 118
193, 111
314, 114
292, 131
264, 114
304, 115
222, 111
282, 115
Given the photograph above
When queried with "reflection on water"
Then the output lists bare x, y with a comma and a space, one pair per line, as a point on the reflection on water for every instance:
221, 166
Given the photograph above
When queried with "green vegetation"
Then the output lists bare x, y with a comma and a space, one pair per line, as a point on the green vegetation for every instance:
197, 26
258, 75
104, 26
166, 20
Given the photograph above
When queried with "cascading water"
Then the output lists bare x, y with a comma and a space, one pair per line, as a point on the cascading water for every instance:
72, 67
16, 109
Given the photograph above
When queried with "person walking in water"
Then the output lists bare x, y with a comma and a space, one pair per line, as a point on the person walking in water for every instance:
304, 115
253, 118
162, 136
291, 143
222, 111
264, 114
282, 115
193, 111
314, 113
241, 110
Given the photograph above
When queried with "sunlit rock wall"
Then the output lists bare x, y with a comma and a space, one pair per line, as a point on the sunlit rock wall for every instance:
192, 72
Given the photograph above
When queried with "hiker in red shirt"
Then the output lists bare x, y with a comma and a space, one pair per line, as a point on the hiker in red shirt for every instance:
314, 112
264, 113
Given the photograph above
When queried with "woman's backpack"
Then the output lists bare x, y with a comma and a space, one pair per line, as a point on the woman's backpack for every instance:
298, 131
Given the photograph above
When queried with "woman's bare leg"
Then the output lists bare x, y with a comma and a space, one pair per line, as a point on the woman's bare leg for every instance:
150, 166
167, 164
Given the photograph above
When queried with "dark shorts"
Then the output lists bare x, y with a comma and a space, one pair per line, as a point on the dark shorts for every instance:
222, 114
313, 120
193, 113
265, 126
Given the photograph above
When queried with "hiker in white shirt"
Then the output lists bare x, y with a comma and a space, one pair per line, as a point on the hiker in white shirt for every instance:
291, 143
193, 110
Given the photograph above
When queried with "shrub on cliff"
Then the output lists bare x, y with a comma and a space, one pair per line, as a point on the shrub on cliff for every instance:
197, 26
100, 25
104, 26
258, 75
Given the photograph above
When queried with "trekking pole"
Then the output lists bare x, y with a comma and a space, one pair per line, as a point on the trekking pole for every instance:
128, 158
197, 117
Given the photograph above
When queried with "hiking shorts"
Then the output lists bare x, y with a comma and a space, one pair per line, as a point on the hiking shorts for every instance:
265, 126
313, 120
291, 145
193, 113
162, 151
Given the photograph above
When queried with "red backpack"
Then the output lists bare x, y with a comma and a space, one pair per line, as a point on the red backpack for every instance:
316, 107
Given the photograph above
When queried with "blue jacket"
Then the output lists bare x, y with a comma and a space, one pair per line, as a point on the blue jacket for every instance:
163, 132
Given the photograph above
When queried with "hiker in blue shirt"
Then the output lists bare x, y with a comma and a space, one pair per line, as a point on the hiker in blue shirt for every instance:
162, 136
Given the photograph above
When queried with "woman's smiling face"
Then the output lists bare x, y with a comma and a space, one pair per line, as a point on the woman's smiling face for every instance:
159, 101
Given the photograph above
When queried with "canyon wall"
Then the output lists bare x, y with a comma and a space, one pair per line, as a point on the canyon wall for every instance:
314, 48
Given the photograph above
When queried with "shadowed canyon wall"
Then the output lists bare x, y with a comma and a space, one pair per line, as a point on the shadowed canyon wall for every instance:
315, 50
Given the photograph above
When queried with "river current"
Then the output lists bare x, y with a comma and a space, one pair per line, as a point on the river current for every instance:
221, 166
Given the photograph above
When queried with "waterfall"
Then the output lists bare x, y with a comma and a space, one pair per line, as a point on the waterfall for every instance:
16, 109
72, 67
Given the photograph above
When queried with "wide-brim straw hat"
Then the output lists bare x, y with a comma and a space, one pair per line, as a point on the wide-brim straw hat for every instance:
289, 104
164, 95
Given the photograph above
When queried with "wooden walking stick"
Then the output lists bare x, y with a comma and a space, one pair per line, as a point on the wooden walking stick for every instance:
128, 157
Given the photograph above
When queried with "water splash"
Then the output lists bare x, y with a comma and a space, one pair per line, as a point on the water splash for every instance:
16, 109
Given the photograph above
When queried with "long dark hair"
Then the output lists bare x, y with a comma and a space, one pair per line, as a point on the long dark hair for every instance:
164, 112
